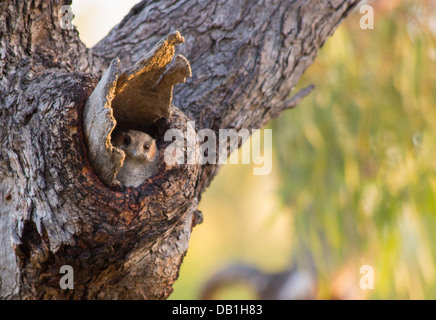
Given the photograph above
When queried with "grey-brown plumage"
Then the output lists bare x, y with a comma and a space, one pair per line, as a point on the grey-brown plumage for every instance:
141, 159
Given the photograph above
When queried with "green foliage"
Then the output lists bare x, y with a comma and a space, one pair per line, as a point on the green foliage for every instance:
354, 179
357, 157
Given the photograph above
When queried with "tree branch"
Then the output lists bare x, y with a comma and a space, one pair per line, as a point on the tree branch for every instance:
55, 208
245, 56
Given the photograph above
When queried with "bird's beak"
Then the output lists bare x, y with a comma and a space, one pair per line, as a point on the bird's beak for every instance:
138, 155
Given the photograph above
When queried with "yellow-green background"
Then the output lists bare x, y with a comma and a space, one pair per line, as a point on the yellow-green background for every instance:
353, 179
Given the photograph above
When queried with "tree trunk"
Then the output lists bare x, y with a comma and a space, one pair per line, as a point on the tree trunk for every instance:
56, 208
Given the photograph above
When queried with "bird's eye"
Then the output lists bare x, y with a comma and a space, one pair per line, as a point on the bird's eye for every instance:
127, 140
146, 146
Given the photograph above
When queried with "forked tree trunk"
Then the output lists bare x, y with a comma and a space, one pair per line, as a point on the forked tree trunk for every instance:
56, 206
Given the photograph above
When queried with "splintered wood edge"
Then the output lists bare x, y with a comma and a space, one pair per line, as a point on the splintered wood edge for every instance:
151, 79
99, 122
144, 93
158, 57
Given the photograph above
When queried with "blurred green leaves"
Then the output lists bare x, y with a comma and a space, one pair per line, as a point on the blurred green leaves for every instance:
357, 157
354, 174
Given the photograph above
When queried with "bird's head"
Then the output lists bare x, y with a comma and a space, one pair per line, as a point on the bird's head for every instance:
138, 146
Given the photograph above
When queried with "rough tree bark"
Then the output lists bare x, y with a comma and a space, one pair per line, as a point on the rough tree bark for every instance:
246, 57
